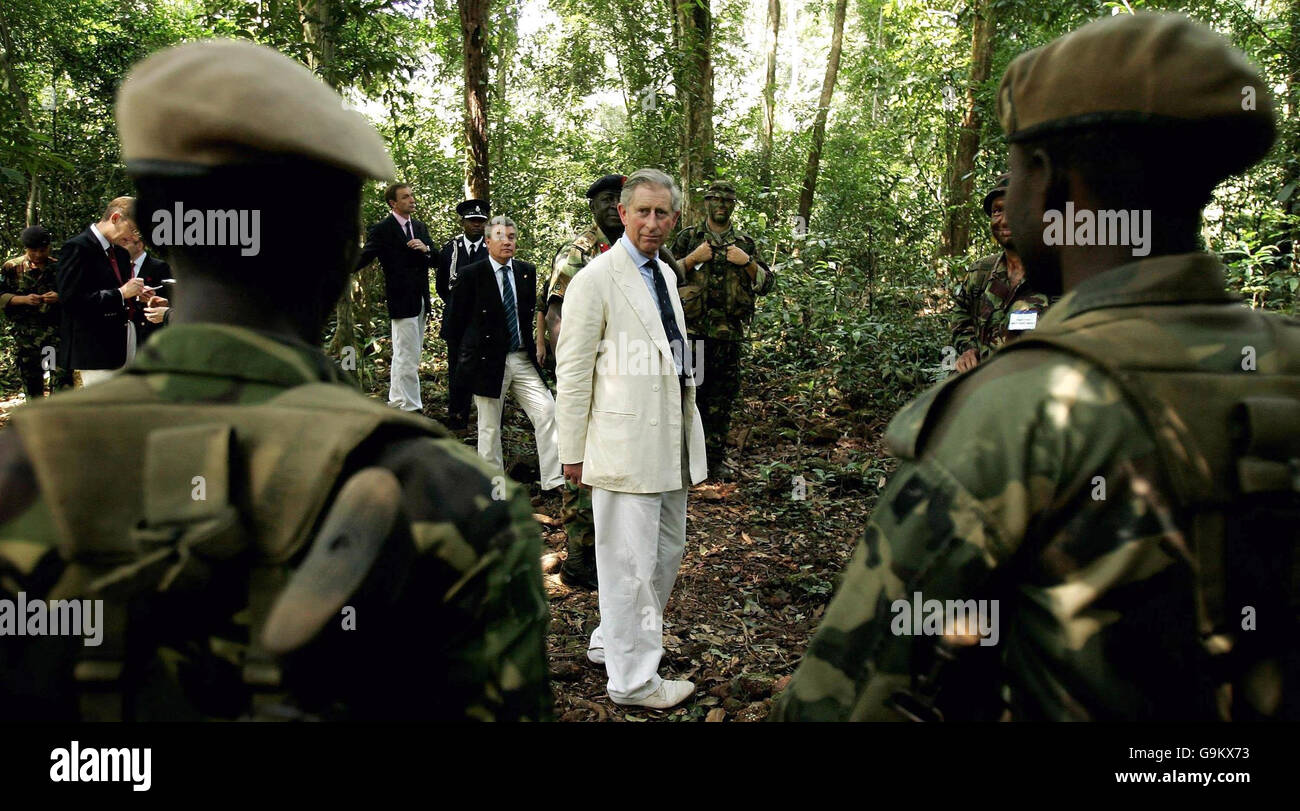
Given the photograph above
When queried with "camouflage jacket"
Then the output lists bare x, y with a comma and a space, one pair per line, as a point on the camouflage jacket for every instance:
983, 302
996, 499
457, 614
32, 326
718, 297
585, 247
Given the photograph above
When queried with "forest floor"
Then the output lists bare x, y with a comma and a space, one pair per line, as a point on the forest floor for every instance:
763, 556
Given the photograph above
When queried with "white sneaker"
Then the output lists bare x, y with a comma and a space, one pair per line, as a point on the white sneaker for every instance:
669, 694
596, 656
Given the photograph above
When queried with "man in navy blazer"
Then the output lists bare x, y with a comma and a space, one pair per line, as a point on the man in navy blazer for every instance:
491, 319
99, 295
402, 245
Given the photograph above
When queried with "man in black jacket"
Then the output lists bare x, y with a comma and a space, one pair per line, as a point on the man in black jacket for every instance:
401, 243
492, 308
460, 252
98, 294
152, 271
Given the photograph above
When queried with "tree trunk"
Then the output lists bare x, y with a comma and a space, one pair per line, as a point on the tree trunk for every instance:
823, 110
694, 23
318, 30
19, 96
961, 172
769, 97
473, 21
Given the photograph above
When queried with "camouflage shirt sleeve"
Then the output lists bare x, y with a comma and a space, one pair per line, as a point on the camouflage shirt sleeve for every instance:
8, 288
567, 263
965, 295
977, 507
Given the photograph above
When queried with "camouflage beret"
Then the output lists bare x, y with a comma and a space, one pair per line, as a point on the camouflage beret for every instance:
998, 189
35, 236
1143, 68
606, 183
223, 101
720, 187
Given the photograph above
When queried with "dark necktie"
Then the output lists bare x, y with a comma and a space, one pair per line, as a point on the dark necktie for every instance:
666, 314
512, 309
112, 260
408, 230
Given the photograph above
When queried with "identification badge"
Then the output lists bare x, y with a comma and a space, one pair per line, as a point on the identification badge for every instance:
1023, 320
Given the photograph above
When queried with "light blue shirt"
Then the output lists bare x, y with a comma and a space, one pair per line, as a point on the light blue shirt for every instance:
503, 279
646, 272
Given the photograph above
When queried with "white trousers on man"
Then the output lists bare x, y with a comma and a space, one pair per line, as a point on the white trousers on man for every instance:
90, 377
404, 376
522, 380
640, 538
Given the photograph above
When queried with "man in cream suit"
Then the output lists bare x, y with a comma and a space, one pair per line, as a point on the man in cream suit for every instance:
629, 429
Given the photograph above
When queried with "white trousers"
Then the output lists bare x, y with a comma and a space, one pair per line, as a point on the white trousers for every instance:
640, 538
404, 376
90, 377
522, 380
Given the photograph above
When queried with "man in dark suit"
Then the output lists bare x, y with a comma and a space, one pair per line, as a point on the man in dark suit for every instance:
460, 252
152, 271
401, 243
98, 294
492, 308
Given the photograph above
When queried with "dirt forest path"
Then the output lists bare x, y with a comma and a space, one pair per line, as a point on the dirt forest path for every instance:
759, 568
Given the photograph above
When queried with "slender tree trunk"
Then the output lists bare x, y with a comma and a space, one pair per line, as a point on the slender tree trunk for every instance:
695, 89
318, 31
823, 110
961, 172
19, 95
769, 97
34, 200
473, 27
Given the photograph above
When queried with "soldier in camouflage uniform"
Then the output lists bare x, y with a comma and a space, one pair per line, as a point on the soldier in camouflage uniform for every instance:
1122, 480
266, 541
579, 569
723, 277
30, 303
991, 290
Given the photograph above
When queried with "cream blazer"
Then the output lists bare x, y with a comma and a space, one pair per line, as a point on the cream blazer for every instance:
618, 405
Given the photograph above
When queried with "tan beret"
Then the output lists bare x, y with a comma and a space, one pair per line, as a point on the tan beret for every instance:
228, 101
1134, 69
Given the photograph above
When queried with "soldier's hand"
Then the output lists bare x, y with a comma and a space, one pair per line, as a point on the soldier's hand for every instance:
968, 360
30, 300
131, 289
541, 350
51, 297
157, 301
701, 254
736, 256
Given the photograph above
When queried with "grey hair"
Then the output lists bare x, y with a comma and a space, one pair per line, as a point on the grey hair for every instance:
653, 177
501, 219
